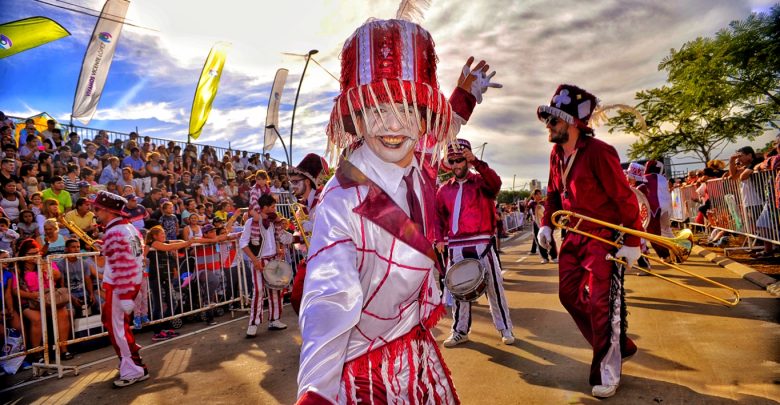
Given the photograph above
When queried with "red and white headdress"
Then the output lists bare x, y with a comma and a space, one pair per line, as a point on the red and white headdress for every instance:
389, 61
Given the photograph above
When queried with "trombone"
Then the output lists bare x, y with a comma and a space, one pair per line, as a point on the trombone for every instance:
679, 247
75, 230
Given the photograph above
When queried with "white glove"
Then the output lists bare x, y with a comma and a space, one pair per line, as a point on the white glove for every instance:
127, 306
476, 81
307, 226
630, 254
481, 85
544, 237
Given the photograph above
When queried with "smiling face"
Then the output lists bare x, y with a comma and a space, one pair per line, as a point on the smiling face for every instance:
391, 139
299, 184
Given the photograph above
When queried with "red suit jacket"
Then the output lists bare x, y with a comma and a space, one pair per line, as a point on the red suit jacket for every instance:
597, 187
477, 206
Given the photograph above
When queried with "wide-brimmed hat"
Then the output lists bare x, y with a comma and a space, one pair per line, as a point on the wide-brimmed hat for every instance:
312, 167
109, 202
571, 104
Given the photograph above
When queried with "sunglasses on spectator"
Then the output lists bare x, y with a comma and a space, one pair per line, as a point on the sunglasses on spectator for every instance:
457, 160
551, 120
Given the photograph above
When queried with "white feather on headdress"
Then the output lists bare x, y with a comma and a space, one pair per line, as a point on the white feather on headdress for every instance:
412, 10
599, 116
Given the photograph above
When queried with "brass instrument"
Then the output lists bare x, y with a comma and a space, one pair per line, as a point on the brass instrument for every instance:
679, 247
74, 229
299, 216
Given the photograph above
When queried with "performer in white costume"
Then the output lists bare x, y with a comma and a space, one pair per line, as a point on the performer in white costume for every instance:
371, 291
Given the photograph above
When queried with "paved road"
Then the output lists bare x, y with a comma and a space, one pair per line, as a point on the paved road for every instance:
691, 351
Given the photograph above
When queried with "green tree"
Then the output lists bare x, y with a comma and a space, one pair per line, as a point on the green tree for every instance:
719, 90
509, 197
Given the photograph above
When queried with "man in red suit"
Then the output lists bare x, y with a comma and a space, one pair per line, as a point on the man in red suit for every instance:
464, 210
586, 178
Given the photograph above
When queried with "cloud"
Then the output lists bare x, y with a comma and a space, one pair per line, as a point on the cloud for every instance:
161, 111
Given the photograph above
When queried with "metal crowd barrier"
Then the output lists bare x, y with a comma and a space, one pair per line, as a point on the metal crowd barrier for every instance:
685, 204
513, 221
13, 312
748, 208
180, 284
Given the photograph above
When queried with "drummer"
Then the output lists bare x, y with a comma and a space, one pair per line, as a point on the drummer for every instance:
258, 241
464, 208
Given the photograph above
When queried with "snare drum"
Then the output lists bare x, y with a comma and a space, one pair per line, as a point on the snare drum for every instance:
466, 280
277, 274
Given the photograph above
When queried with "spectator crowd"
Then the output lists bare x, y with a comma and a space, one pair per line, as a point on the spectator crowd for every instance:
176, 197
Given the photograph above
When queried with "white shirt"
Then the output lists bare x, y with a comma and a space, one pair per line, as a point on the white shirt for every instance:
268, 234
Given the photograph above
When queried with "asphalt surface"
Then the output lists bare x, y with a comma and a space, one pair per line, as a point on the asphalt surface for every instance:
691, 351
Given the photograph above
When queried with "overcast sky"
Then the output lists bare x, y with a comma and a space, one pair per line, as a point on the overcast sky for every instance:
610, 47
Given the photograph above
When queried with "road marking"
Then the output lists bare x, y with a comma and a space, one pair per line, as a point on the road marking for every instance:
521, 259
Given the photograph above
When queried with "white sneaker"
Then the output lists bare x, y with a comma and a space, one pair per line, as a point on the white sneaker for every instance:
455, 339
507, 337
251, 331
544, 261
124, 382
555, 261
276, 325
604, 391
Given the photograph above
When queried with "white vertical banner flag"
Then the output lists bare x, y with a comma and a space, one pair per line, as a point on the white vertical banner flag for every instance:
97, 59
272, 114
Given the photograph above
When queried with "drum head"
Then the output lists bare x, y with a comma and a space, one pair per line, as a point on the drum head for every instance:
465, 280
277, 274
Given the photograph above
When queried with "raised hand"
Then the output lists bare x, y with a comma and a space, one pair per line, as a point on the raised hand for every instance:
477, 80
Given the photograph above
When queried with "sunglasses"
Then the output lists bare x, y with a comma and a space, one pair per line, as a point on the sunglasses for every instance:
457, 160
551, 120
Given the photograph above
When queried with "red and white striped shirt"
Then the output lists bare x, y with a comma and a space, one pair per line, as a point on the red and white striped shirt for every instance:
123, 249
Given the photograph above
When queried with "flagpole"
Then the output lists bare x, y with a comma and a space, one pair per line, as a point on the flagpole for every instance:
295, 104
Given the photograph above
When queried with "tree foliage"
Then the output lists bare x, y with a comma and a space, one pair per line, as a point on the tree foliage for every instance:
510, 197
719, 90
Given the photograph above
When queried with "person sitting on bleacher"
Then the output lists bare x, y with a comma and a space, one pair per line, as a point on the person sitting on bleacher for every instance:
77, 275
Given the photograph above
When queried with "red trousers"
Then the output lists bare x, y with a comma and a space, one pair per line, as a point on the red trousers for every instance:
599, 311
117, 323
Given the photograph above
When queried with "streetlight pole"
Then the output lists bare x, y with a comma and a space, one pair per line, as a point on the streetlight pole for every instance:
295, 105
483, 151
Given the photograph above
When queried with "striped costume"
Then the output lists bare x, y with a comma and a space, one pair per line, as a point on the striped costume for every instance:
123, 249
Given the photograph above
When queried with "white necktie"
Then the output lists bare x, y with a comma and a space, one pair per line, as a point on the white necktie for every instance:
456, 209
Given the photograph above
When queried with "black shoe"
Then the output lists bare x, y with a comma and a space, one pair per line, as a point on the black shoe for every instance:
67, 356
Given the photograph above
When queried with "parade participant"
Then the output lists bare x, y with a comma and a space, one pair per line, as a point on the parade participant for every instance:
123, 248
586, 178
304, 182
636, 179
465, 224
660, 200
533, 212
258, 241
371, 291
